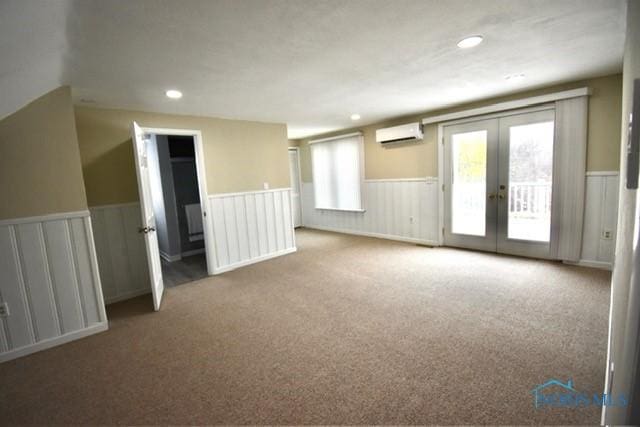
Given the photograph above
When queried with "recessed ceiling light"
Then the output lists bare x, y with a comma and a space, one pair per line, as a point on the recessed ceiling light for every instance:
468, 42
514, 77
173, 94
355, 117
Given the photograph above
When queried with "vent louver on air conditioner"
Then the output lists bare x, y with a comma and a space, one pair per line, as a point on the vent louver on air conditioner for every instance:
403, 133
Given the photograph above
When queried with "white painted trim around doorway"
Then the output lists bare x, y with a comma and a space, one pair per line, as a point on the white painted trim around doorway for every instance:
202, 186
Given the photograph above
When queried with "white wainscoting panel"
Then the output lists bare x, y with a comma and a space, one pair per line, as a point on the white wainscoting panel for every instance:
399, 209
121, 252
600, 217
50, 281
408, 210
250, 227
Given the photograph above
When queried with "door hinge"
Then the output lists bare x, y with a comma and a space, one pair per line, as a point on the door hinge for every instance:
442, 187
443, 231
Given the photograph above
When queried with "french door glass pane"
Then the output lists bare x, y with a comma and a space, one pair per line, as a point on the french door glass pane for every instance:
469, 183
530, 175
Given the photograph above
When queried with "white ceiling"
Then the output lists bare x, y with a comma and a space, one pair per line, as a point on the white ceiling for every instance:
307, 63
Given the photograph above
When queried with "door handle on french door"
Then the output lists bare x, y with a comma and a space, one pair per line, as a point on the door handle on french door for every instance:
500, 193
492, 196
146, 230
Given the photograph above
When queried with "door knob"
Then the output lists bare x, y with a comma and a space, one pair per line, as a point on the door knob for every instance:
500, 196
492, 196
146, 230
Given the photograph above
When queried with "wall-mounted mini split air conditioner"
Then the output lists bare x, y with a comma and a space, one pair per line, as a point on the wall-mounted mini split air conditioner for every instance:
403, 133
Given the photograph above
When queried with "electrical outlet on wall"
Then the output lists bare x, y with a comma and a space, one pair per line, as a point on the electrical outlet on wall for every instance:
4, 309
265, 185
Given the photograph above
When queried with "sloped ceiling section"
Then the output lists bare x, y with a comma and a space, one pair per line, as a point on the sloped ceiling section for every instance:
33, 48
307, 63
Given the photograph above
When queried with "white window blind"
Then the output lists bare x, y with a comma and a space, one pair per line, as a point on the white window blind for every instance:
338, 171
569, 168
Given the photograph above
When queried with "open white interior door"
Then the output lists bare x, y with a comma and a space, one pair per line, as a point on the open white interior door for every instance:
148, 227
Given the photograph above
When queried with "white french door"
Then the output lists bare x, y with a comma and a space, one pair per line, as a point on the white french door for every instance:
498, 184
471, 179
525, 184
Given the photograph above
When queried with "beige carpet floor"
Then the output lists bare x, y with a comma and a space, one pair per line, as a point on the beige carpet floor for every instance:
348, 330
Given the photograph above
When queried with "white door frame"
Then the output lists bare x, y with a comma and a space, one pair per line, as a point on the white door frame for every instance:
207, 223
440, 143
297, 150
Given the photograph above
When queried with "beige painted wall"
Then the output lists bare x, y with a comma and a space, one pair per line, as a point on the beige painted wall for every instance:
40, 170
421, 159
239, 155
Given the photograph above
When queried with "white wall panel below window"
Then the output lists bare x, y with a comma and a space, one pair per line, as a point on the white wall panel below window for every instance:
399, 209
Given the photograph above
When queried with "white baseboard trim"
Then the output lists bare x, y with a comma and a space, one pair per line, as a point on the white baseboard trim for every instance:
193, 252
376, 235
233, 266
127, 295
53, 342
170, 258
593, 264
